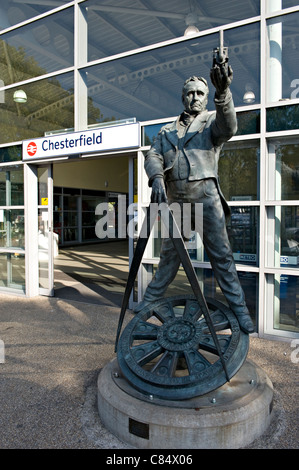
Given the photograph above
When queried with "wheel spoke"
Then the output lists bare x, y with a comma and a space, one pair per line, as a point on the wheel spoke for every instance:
196, 362
144, 353
219, 320
164, 313
166, 366
207, 343
145, 330
192, 311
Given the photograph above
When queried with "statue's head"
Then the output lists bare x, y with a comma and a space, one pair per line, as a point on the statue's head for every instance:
195, 94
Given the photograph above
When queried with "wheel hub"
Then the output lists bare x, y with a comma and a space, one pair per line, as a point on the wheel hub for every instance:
178, 335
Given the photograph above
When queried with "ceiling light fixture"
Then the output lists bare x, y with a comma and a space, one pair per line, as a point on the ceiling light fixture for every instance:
249, 96
191, 20
20, 96
191, 30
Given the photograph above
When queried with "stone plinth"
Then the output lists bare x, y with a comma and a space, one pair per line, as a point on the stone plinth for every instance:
230, 417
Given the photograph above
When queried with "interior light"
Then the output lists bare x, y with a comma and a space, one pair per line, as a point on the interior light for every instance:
20, 96
191, 20
191, 30
249, 96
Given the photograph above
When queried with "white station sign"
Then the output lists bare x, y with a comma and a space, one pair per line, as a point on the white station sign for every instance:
104, 139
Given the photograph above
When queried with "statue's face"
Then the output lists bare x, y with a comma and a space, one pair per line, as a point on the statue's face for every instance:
195, 97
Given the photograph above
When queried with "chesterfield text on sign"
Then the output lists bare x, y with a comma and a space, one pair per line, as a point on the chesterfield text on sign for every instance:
97, 140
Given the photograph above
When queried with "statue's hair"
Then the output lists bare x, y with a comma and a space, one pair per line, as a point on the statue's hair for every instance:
194, 79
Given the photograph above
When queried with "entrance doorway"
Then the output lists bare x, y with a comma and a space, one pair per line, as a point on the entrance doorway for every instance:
66, 256
88, 268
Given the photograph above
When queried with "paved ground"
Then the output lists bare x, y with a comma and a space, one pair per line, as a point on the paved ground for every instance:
54, 351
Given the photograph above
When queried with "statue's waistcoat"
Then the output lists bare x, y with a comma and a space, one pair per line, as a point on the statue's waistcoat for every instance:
191, 154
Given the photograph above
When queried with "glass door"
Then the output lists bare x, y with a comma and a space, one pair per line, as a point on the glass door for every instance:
45, 230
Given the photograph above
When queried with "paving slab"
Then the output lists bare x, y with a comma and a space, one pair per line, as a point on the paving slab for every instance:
54, 352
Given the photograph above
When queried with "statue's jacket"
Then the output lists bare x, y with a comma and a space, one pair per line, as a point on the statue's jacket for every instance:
201, 146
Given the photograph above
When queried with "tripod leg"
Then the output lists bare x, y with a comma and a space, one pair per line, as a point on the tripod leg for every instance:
149, 220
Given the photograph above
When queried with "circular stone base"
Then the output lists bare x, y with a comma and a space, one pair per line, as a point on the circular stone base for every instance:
230, 417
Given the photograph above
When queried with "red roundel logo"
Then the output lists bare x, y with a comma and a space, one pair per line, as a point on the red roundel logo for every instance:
31, 149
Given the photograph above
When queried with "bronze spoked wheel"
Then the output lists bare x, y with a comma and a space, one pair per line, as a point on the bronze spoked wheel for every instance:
167, 349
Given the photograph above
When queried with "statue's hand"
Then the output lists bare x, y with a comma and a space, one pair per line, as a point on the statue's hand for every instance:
221, 77
158, 191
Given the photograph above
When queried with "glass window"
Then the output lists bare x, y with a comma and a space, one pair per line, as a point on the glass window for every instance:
286, 316
11, 154
3, 188
71, 191
70, 215
90, 203
149, 85
57, 190
283, 118
289, 230
15, 11
42, 186
248, 122
283, 237
12, 228
150, 133
70, 219
242, 229
12, 233
11, 186
12, 270
38, 48
70, 203
283, 301
130, 25
244, 57
282, 59
89, 218
43, 248
286, 179
275, 5
48, 106
57, 220
70, 235
289, 3
238, 170
88, 233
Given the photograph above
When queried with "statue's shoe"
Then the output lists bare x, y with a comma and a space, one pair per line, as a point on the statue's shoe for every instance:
245, 322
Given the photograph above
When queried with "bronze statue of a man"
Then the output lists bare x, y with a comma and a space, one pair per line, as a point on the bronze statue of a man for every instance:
182, 166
